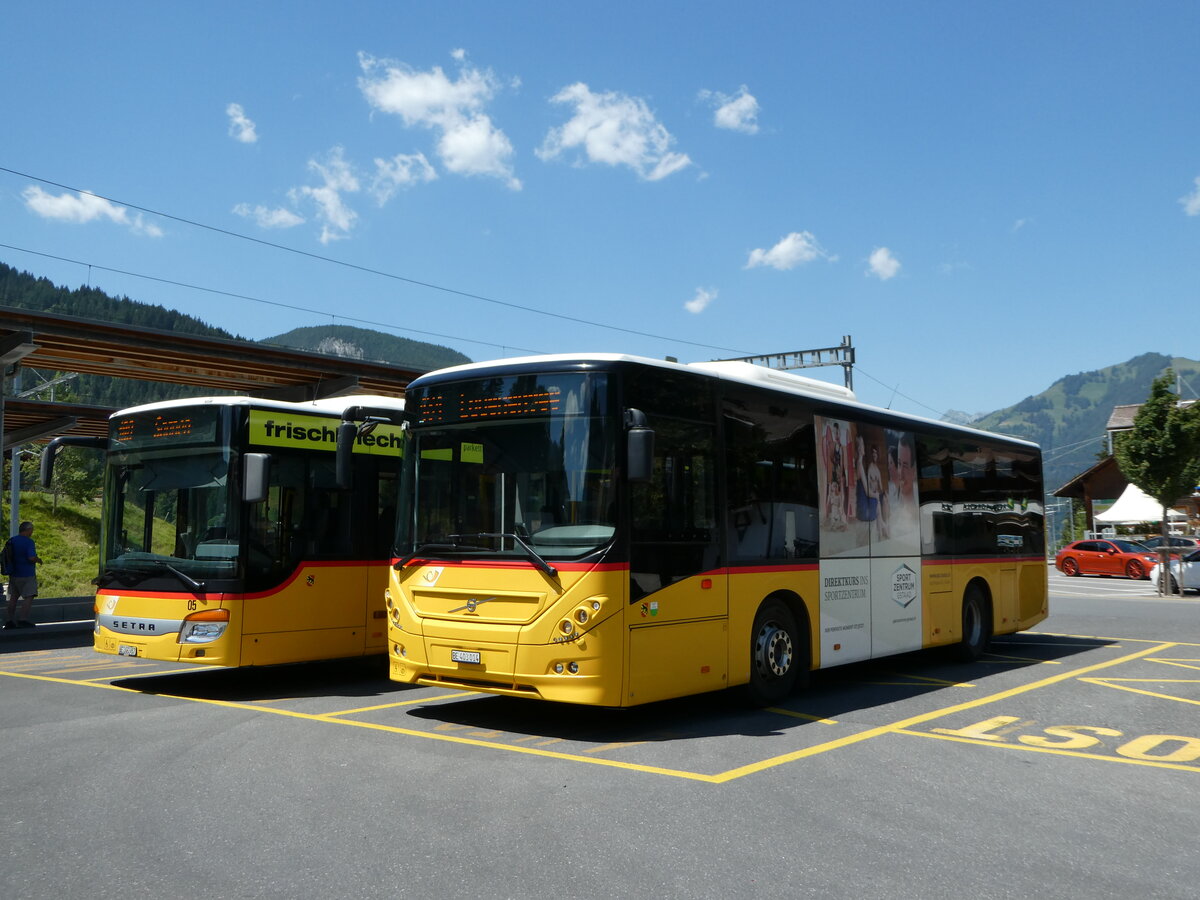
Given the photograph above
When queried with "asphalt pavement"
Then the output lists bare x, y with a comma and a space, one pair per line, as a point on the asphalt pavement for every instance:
1065, 762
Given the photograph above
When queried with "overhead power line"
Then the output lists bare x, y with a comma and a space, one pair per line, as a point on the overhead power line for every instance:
208, 290
367, 269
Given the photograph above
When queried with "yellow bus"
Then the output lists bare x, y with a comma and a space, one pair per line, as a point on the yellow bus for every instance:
610, 530
226, 538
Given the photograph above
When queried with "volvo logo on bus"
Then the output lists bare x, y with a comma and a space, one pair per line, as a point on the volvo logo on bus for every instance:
473, 604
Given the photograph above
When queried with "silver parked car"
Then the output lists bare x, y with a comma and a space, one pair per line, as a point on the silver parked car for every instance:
1185, 572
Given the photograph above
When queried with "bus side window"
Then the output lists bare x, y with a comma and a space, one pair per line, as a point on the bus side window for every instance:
772, 509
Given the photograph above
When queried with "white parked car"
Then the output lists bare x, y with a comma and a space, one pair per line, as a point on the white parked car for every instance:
1185, 571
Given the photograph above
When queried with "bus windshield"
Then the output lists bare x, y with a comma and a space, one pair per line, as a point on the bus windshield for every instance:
170, 515
509, 466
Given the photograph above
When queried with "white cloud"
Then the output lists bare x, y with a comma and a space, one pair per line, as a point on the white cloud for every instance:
335, 216
882, 264
796, 249
1191, 203
269, 218
1019, 224
616, 130
470, 144
401, 171
699, 303
84, 207
240, 127
736, 113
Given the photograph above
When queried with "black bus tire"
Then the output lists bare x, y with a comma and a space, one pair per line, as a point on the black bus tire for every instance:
976, 626
776, 654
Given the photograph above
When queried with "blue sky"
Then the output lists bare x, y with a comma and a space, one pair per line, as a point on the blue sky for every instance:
985, 196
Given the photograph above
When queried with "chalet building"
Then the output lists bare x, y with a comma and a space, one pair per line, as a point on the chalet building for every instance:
1104, 481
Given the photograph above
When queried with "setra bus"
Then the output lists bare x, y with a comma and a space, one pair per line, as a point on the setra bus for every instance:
226, 538
605, 529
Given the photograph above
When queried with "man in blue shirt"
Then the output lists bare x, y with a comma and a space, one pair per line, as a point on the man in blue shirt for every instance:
22, 579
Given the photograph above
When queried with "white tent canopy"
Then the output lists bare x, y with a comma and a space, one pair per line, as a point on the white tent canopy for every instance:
1133, 507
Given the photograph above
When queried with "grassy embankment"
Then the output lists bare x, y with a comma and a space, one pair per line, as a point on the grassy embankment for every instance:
67, 539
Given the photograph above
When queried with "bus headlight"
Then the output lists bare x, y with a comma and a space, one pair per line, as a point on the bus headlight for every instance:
204, 627
566, 626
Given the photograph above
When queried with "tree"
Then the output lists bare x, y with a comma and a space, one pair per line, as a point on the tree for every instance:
1161, 455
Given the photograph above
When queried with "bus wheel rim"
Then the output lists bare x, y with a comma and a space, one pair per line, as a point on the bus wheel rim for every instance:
773, 650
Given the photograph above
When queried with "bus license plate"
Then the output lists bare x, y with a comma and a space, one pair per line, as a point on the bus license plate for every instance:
126, 650
465, 656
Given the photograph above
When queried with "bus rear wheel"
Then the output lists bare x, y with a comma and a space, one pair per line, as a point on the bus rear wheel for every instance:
976, 627
775, 660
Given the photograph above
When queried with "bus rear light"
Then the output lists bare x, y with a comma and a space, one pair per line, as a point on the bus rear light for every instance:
204, 626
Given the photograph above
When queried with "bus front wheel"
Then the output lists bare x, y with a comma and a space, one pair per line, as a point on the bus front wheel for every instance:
774, 658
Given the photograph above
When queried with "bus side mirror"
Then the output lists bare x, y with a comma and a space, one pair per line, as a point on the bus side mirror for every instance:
51, 452
256, 476
47, 463
639, 447
347, 432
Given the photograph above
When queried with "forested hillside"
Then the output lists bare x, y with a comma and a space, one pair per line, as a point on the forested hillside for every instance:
22, 290
1068, 419
364, 343
25, 291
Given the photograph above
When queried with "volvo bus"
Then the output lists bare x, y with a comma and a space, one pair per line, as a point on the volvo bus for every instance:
227, 539
610, 530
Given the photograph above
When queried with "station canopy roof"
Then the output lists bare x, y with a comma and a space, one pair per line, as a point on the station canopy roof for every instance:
70, 344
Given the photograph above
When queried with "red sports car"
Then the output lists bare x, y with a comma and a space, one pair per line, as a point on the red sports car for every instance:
1107, 557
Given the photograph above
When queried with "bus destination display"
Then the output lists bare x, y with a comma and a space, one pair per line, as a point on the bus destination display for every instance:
164, 428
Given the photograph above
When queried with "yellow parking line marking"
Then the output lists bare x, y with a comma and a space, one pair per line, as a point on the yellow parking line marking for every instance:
1111, 683
390, 729
1111, 641
799, 715
24, 663
549, 742
931, 716
720, 778
1119, 759
91, 667
926, 678
138, 674
1182, 663
604, 748
417, 702
1032, 659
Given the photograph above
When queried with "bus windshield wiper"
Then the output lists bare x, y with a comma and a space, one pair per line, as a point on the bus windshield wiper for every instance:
436, 550
129, 575
196, 586
530, 554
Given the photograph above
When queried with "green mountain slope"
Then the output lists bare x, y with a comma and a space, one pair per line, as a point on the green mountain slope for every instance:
1068, 418
364, 343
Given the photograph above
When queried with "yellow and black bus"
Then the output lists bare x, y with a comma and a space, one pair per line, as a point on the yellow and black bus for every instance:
605, 529
227, 539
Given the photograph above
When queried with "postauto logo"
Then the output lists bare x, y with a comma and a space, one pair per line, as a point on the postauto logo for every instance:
273, 428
